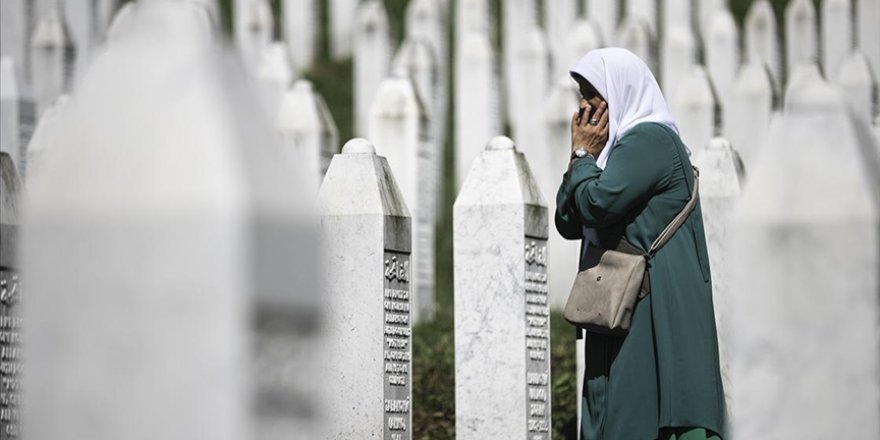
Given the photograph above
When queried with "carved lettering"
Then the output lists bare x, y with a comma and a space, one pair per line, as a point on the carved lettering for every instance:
537, 331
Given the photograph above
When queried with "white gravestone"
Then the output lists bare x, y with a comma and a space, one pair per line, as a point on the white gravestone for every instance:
805, 252
502, 322
761, 40
677, 13
559, 20
342, 21
706, 11
367, 230
696, 110
10, 299
254, 34
635, 35
45, 137
52, 59
273, 75
564, 254
80, 17
308, 132
868, 37
399, 128
520, 20
751, 106
721, 176
477, 114
860, 90
646, 10
426, 21
606, 15
372, 58
471, 16
585, 36
837, 34
678, 58
300, 30
801, 34
17, 113
15, 30
120, 22
170, 288
722, 59
528, 117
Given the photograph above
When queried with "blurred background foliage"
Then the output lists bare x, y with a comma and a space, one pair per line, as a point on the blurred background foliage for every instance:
433, 348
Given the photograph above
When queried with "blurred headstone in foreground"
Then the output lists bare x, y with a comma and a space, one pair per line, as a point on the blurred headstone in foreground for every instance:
300, 28
761, 38
342, 18
174, 277
696, 109
254, 28
273, 75
308, 131
10, 298
17, 113
805, 258
45, 136
751, 108
502, 318
366, 227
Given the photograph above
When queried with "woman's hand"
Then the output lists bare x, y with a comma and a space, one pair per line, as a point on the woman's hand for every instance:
590, 134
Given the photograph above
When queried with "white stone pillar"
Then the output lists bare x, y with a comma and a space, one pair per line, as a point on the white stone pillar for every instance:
372, 58
367, 230
645, 10
52, 59
11, 321
868, 37
477, 114
706, 10
860, 90
559, 20
427, 21
606, 15
171, 286
308, 131
837, 35
721, 177
761, 40
254, 33
502, 325
723, 60
696, 110
15, 30
751, 108
17, 116
520, 22
399, 127
343, 15
120, 23
635, 35
801, 35
528, 123
46, 136
679, 56
471, 16
677, 13
585, 36
80, 16
300, 29
273, 75
564, 254
806, 279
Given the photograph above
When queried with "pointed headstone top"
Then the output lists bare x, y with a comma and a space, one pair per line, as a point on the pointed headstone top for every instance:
500, 143
358, 146
807, 89
50, 30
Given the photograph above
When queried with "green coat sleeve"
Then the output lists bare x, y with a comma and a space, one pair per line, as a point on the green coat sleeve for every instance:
596, 198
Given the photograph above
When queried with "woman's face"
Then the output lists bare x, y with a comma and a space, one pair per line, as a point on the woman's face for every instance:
589, 95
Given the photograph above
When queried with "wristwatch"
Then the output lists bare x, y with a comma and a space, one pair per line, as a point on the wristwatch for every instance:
580, 153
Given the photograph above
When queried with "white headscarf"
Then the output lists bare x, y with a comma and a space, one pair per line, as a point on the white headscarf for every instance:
629, 88
633, 96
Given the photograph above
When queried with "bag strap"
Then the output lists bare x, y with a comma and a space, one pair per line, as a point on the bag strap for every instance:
679, 219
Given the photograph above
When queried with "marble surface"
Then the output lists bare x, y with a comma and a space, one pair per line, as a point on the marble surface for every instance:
760, 39
308, 132
804, 253
372, 58
52, 59
696, 110
498, 206
364, 216
751, 107
801, 34
300, 29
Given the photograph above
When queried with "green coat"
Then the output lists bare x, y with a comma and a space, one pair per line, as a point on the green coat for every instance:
665, 372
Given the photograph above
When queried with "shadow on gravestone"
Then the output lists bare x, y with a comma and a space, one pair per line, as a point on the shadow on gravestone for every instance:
805, 256
10, 298
174, 287
502, 328
367, 238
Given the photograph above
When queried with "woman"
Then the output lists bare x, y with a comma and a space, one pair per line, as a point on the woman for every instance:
629, 175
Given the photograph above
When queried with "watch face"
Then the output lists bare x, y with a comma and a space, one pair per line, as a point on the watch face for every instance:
580, 153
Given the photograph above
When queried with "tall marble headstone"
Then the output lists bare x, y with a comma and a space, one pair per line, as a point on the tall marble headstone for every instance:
519, 22
721, 177
10, 300
586, 35
805, 253
254, 31
502, 322
761, 40
477, 113
855, 79
52, 59
17, 110
366, 226
528, 116
427, 21
721, 40
372, 58
273, 75
559, 19
399, 128
342, 19
606, 15
706, 11
300, 29
868, 36
837, 34
696, 110
635, 35
308, 131
801, 34
172, 287
417, 58
677, 13
752, 104
645, 10
679, 55
80, 17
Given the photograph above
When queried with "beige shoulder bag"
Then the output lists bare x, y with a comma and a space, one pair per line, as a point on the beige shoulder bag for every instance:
605, 293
